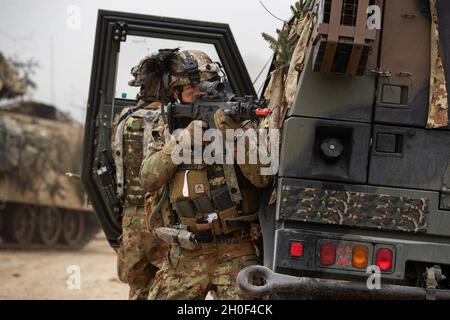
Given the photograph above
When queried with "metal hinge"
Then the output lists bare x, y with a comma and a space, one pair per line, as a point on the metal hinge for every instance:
380, 73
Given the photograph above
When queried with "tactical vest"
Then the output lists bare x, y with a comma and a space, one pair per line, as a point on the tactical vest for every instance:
212, 201
133, 140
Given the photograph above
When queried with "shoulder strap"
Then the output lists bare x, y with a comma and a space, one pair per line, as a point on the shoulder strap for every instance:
118, 142
130, 111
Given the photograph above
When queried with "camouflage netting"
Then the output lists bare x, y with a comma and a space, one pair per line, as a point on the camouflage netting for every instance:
290, 49
29, 148
37, 109
438, 107
10, 83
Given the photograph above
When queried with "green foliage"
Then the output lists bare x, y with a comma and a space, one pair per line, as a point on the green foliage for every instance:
300, 8
282, 45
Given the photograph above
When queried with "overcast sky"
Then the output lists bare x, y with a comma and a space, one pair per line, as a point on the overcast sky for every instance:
41, 30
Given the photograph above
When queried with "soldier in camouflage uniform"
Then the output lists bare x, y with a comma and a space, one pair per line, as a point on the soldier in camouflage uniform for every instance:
226, 230
140, 253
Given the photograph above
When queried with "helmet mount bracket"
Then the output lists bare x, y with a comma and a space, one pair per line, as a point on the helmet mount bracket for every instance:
191, 68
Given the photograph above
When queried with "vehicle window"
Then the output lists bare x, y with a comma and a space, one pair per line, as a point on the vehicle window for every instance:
136, 47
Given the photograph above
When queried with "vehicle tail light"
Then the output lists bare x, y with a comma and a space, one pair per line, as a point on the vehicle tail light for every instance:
384, 259
328, 253
360, 256
296, 249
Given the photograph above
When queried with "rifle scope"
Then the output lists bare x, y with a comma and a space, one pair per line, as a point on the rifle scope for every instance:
212, 88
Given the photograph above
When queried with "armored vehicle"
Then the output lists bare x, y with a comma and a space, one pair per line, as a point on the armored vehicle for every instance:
361, 205
40, 207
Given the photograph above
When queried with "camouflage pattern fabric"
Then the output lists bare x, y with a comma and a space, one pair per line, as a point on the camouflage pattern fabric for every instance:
354, 209
275, 94
207, 69
303, 30
11, 136
121, 270
141, 253
191, 275
216, 176
438, 108
148, 75
157, 168
253, 171
132, 158
134, 137
282, 87
30, 146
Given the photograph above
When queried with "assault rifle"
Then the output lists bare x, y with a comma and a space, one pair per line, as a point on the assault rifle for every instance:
215, 98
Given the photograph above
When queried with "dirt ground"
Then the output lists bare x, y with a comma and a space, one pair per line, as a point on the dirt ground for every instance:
49, 275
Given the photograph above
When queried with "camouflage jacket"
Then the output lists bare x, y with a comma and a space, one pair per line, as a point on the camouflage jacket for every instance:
158, 169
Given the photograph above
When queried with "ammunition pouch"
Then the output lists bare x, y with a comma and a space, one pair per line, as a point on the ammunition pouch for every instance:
184, 209
241, 220
207, 214
250, 202
189, 223
189, 184
208, 224
203, 204
225, 216
204, 231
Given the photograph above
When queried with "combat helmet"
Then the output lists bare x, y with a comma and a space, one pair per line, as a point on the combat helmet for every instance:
149, 74
192, 66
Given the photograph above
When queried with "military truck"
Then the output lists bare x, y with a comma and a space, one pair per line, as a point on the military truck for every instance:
363, 191
40, 207
362, 184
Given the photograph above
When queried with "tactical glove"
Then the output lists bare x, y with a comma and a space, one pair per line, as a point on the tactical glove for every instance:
187, 134
224, 122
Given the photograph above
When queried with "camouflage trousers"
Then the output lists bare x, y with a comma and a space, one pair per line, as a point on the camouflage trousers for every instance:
140, 254
192, 274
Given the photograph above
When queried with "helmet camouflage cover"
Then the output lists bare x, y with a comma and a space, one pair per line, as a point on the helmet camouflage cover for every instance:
149, 73
192, 66
158, 73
